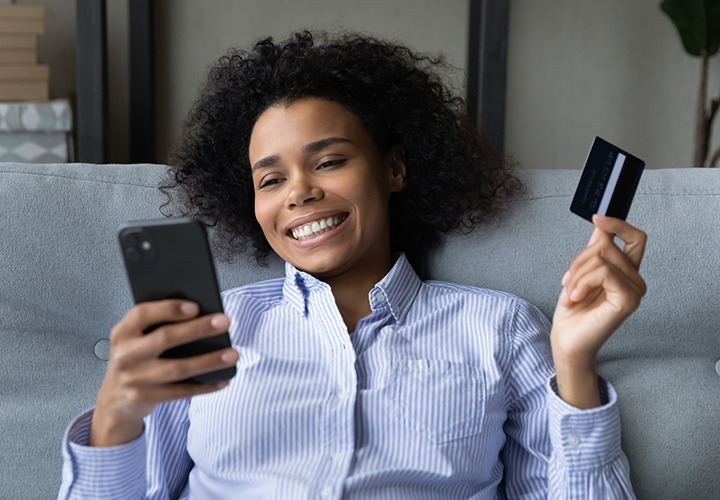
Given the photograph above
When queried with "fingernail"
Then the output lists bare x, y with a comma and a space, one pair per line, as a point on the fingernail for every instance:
228, 357
189, 308
574, 296
220, 322
565, 277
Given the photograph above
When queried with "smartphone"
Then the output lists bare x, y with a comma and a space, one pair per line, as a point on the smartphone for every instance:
171, 259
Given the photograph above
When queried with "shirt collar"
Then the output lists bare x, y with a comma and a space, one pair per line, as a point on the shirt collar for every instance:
396, 291
297, 287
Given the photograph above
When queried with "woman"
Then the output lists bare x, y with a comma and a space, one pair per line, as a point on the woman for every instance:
355, 378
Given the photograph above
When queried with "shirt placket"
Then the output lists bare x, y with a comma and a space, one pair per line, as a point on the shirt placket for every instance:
337, 430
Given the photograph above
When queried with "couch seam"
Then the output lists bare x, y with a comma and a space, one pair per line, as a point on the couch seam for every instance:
648, 193
102, 181
700, 192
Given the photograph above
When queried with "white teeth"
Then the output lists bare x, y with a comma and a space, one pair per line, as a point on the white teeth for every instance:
315, 228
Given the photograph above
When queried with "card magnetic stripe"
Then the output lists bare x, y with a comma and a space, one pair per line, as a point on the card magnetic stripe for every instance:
612, 182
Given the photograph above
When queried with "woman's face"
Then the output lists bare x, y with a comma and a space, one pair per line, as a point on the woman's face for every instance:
322, 188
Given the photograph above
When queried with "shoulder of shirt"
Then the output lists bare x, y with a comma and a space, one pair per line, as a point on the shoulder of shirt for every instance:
443, 290
446, 288
519, 311
263, 293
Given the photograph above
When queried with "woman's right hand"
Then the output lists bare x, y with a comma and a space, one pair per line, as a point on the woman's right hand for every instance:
137, 378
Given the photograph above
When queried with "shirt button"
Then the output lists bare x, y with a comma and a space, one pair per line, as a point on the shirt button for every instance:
573, 441
344, 396
326, 492
337, 457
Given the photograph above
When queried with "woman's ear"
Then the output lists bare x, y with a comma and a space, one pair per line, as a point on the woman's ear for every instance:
396, 159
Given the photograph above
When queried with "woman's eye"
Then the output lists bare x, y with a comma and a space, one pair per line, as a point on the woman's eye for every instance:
330, 164
269, 182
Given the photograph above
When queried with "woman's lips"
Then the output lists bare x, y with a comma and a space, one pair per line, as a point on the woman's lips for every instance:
313, 228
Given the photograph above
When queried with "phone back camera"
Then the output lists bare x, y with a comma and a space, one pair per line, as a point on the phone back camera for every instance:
138, 247
132, 255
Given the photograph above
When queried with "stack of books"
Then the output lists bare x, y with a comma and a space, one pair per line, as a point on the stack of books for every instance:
32, 128
21, 77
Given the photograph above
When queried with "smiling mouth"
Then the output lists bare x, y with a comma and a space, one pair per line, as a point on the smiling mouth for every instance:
317, 227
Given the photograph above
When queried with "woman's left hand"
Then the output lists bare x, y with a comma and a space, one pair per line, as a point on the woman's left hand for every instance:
600, 290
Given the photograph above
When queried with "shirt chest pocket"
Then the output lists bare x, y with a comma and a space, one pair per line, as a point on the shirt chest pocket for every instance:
442, 400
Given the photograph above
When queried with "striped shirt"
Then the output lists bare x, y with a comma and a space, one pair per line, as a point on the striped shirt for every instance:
444, 391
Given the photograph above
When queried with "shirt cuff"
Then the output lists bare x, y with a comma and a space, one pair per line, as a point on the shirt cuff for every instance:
585, 439
101, 472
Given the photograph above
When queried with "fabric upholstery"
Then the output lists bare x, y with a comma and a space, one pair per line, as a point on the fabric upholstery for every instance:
64, 287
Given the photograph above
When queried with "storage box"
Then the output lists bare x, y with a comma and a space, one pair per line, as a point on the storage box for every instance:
36, 132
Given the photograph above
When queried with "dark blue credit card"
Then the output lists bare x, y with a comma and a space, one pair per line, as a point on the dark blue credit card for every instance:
608, 182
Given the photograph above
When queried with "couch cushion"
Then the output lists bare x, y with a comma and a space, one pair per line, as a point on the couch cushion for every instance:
64, 287
662, 361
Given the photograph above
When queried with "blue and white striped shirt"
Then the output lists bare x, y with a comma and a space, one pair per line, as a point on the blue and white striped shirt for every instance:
444, 391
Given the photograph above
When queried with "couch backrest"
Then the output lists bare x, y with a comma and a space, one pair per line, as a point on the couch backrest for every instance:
63, 287
664, 361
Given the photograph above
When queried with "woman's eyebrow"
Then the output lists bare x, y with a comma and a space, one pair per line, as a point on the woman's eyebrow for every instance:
312, 147
265, 162
316, 146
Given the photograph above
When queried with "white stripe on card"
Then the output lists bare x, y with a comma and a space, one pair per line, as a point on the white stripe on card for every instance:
612, 182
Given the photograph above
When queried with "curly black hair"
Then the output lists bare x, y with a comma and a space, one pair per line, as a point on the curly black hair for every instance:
455, 180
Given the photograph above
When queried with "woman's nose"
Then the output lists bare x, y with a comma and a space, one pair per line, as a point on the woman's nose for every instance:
303, 190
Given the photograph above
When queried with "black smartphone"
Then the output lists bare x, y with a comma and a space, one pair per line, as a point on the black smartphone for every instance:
171, 259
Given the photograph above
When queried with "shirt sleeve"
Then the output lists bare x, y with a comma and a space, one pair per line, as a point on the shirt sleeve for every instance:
154, 466
554, 450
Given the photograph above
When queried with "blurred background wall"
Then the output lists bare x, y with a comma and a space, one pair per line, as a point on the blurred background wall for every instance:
576, 68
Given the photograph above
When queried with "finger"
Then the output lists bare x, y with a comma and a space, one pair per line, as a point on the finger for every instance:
176, 334
596, 257
601, 243
146, 314
635, 239
627, 294
130, 353
166, 371
595, 236
598, 237
598, 240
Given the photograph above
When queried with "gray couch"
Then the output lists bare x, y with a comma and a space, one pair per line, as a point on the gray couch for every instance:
63, 287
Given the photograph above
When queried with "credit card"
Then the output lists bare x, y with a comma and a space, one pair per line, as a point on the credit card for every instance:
608, 182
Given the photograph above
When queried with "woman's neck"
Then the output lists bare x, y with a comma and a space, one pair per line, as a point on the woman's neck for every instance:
351, 290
